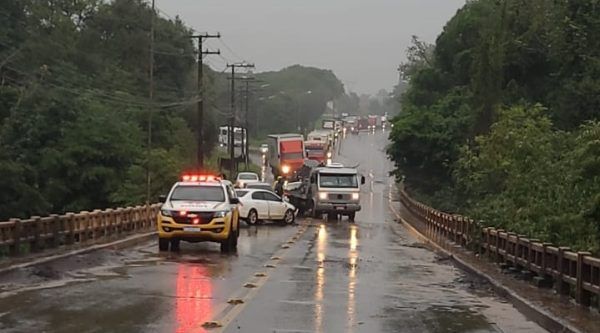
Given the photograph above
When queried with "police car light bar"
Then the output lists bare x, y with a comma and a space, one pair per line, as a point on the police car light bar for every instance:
199, 178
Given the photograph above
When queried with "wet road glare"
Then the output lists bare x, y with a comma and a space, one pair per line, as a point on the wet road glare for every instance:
319, 276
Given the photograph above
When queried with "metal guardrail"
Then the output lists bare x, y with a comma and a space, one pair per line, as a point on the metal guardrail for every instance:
576, 274
40, 233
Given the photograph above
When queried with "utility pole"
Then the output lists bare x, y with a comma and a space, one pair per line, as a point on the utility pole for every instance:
232, 115
246, 89
200, 105
151, 96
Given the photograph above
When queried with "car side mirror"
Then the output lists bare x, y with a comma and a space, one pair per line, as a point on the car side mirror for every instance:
362, 180
234, 201
162, 198
285, 199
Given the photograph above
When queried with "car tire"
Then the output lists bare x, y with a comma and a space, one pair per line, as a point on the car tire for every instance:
252, 217
230, 244
163, 244
175, 244
289, 217
351, 216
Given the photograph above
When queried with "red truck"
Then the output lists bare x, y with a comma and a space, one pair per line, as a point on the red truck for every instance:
362, 124
286, 154
317, 150
372, 122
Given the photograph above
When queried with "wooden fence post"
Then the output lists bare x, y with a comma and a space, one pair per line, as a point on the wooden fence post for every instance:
36, 245
70, 236
582, 296
55, 225
560, 285
16, 250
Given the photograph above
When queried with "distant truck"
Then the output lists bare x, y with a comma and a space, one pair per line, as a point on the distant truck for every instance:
333, 190
317, 150
239, 136
320, 135
286, 154
372, 122
362, 124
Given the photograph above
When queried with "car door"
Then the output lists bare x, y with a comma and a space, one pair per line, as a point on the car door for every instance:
260, 204
276, 206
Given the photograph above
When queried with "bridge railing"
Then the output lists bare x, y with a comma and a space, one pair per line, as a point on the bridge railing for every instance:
576, 274
18, 236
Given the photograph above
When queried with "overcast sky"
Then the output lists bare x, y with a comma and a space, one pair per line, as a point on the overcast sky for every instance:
362, 41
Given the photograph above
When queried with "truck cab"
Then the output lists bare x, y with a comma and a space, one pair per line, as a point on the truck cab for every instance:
335, 190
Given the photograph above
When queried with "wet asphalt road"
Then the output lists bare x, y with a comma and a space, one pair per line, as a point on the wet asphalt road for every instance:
320, 276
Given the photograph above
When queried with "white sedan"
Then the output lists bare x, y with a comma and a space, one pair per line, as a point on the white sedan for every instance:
257, 205
244, 178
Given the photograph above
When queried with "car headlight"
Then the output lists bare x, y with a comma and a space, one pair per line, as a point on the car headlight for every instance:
355, 196
166, 212
285, 169
220, 214
322, 195
328, 154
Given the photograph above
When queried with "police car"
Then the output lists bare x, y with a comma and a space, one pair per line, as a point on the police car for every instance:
199, 208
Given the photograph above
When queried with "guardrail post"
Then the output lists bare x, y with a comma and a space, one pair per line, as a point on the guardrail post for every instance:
85, 233
70, 236
486, 241
544, 257
582, 296
36, 246
560, 285
16, 248
55, 225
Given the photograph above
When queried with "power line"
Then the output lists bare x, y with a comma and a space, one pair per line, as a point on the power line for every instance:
240, 59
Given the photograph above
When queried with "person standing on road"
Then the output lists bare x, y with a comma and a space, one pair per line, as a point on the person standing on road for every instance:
278, 187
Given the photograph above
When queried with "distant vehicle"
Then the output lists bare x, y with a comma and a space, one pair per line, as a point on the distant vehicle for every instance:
362, 124
257, 205
259, 186
325, 136
239, 136
372, 122
199, 208
333, 190
286, 154
264, 148
317, 150
245, 178
328, 124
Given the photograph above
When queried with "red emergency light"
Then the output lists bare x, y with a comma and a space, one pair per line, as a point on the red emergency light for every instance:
200, 178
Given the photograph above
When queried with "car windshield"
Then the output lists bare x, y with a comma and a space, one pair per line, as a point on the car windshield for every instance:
247, 176
241, 193
198, 193
338, 180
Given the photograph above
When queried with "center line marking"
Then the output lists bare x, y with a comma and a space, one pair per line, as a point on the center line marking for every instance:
226, 313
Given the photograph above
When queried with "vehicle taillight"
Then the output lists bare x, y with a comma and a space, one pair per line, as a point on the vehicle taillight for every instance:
183, 213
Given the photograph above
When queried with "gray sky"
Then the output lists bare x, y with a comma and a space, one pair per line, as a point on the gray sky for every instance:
362, 41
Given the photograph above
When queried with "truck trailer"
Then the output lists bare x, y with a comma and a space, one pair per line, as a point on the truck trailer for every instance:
286, 154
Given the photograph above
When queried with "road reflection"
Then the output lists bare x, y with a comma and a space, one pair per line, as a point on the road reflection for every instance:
193, 297
353, 264
321, 252
263, 168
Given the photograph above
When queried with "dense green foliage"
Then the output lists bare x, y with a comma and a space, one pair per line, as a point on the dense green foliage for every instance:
294, 97
74, 96
75, 104
495, 123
